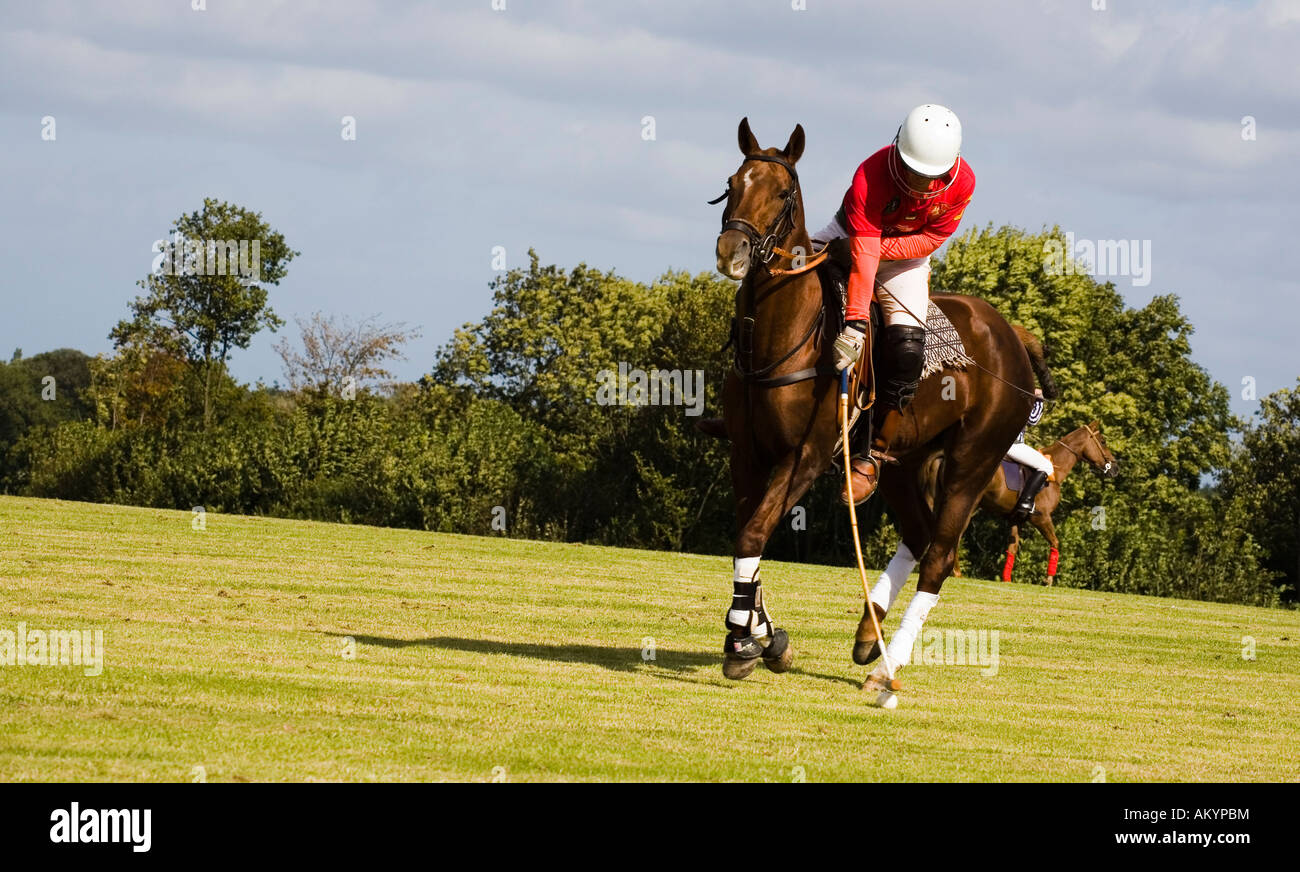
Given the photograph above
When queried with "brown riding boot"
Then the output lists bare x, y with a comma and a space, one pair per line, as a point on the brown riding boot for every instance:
865, 470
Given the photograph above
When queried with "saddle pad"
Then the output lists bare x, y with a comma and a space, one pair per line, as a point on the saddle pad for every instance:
943, 345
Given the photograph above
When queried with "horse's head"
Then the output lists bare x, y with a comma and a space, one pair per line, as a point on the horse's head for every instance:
763, 203
1098, 453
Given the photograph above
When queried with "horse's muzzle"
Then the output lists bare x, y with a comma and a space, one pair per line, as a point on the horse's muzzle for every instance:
734, 253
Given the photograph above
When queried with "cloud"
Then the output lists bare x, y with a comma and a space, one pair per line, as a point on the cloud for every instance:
523, 127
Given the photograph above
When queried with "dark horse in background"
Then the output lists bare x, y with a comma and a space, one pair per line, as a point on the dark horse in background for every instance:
780, 403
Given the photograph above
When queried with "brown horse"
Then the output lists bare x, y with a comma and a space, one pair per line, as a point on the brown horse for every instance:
779, 404
1084, 443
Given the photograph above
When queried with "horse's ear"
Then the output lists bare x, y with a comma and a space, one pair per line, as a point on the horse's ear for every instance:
1096, 425
794, 148
745, 137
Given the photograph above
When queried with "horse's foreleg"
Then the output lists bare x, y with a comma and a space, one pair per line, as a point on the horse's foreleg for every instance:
751, 633
1013, 548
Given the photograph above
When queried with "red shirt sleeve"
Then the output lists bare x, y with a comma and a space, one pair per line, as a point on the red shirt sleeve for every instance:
862, 280
864, 204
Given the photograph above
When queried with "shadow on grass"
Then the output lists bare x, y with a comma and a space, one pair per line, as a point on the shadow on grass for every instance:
847, 679
617, 659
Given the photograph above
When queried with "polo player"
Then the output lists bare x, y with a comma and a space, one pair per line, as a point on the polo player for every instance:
905, 201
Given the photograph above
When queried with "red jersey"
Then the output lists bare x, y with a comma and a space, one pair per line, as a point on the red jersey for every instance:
874, 205
886, 223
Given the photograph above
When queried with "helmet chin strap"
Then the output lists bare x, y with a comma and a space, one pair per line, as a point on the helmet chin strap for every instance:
899, 179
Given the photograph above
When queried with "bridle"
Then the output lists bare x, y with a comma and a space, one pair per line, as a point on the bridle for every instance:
763, 243
1096, 440
763, 248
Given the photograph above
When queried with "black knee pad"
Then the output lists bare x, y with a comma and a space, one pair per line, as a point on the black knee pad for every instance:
903, 355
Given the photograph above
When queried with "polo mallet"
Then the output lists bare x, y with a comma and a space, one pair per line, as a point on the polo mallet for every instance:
893, 684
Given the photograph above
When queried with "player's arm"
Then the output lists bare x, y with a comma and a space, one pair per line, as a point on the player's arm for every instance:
864, 234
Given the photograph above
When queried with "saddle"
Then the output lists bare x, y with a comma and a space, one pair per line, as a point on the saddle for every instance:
943, 344
1015, 474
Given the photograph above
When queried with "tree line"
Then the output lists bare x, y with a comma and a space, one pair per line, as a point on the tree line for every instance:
505, 434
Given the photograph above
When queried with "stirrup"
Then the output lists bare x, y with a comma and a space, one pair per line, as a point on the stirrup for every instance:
881, 456
873, 476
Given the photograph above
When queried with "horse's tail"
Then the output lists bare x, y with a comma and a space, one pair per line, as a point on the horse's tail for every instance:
1038, 360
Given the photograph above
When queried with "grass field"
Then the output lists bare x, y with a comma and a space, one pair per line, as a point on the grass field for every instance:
227, 658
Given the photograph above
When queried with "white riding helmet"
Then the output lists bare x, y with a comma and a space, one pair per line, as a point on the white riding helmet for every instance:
929, 140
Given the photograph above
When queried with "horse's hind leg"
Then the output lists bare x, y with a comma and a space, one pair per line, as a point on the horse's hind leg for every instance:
965, 477
1048, 529
761, 504
902, 490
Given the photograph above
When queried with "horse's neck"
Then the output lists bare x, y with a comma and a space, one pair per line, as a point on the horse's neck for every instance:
760, 288
1071, 449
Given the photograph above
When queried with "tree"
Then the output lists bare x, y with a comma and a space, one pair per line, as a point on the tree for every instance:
1162, 414
40, 392
207, 292
1263, 482
43, 390
616, 473
338, 352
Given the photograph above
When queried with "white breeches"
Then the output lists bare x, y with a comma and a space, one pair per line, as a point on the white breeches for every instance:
1031, 457
902, 286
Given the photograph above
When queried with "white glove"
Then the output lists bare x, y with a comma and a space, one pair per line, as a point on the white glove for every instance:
848, 347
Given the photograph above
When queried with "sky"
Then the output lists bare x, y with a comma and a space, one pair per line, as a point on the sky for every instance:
1173, 124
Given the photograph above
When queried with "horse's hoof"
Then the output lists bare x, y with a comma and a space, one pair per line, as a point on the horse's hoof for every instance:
740, 656
737, 668
866, 647
866, 653
778, 655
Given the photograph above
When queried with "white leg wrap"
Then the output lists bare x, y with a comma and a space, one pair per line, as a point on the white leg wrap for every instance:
893, 578
746, 569
900, 647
